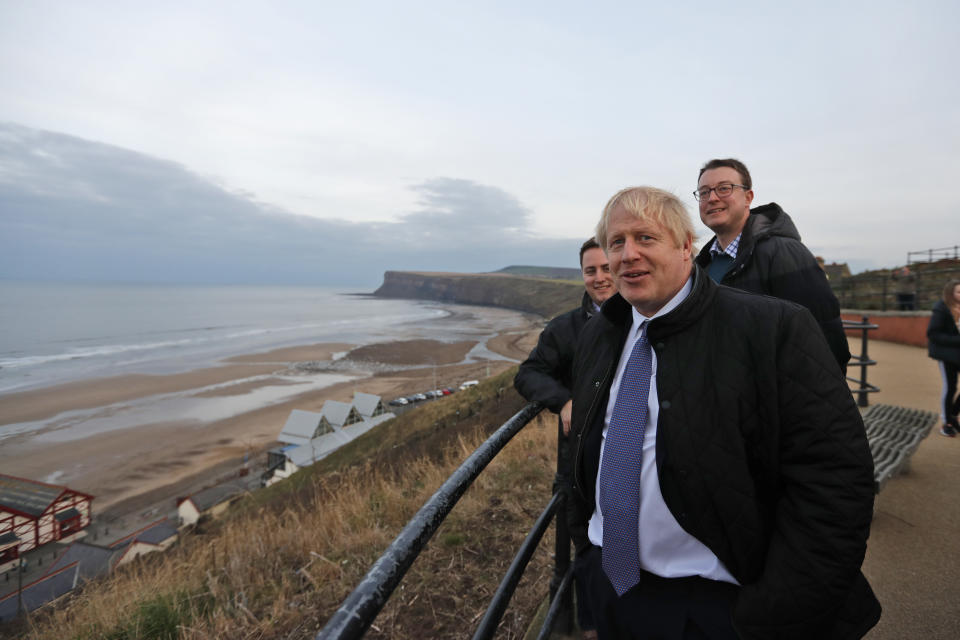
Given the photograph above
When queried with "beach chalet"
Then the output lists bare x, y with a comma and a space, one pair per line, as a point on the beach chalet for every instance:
368, 404
340, 414
209, 503
37, 513
303, 426
285, 461
157, 536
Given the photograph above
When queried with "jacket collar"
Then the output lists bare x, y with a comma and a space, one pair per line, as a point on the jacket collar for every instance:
617, 312
586, 305
763, 222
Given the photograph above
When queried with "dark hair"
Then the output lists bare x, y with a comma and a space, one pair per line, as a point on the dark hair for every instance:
732, 163
591, 243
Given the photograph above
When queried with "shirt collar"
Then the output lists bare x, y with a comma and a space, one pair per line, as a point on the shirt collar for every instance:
730, 249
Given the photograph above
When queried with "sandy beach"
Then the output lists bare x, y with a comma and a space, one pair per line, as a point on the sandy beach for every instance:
127, 468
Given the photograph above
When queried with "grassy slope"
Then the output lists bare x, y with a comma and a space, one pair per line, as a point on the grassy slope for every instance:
279, 565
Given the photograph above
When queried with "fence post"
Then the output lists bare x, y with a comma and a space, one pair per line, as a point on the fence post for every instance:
883, 299
862, 395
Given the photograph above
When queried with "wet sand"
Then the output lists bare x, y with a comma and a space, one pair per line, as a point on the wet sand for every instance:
119, 465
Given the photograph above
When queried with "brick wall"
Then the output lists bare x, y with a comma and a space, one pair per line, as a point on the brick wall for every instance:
904, 327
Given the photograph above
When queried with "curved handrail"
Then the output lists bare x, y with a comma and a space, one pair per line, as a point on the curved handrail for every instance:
358, 611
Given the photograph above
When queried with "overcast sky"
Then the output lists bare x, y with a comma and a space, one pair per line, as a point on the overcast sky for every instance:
380, 135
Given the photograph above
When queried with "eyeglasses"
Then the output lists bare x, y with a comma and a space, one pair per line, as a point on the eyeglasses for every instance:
723, 190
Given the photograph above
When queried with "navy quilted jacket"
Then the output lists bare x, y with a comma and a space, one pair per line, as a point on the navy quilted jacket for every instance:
761, 453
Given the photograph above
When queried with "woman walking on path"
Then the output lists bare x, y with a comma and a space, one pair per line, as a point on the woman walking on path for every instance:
943, 344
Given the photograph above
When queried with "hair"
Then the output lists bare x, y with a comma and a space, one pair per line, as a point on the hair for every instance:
948, 298
653, 204
591, 243
732, 163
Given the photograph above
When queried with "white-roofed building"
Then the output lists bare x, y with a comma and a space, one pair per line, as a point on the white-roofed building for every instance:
303, 426
285, 461
368, 404
340, 414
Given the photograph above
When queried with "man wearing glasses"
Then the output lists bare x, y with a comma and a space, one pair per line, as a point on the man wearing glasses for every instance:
760, 251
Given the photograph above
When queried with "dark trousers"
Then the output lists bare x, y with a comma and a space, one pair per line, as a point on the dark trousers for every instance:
905, 301
660, 608
950, 402
563, 481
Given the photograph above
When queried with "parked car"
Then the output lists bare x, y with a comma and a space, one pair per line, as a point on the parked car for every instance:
399, 402
419, 396
468, 384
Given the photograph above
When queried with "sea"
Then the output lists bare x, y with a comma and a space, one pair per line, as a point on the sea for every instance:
52, 334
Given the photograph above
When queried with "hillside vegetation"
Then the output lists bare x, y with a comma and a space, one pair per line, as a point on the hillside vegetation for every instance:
559, 273
281, 563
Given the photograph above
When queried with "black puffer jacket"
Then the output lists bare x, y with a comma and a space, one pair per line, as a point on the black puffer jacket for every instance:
545, 376
772, 260
761, 454
943, 338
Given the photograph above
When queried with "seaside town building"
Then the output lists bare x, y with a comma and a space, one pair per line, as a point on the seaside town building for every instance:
81, 562
209, 503
33, 514
341, 414
309, 436
303, 426
368, 404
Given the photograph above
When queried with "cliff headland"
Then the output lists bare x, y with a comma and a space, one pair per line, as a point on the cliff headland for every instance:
543, 296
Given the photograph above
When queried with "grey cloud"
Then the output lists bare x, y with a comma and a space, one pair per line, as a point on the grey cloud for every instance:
75, 209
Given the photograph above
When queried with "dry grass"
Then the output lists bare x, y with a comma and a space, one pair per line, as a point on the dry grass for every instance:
280, 567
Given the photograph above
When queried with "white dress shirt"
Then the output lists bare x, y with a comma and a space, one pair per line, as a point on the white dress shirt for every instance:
665, 548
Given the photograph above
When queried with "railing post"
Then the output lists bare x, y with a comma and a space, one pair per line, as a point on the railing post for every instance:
563, 484
862, 395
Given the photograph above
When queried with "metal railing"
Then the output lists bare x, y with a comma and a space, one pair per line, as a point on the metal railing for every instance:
934, 254
863, 360
361, 607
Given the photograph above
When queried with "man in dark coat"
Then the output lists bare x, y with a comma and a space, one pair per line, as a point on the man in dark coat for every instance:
759, 250
723, 481
545, 376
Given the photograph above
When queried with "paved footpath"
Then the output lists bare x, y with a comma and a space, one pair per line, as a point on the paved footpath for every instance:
913, 556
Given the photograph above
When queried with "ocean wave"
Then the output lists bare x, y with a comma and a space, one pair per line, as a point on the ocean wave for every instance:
89, 352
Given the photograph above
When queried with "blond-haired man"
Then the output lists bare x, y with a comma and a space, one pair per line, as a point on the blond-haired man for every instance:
724, 485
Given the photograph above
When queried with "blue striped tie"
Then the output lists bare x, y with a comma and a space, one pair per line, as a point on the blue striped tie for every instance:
620, 470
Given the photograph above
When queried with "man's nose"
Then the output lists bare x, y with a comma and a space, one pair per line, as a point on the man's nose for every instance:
630, 250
